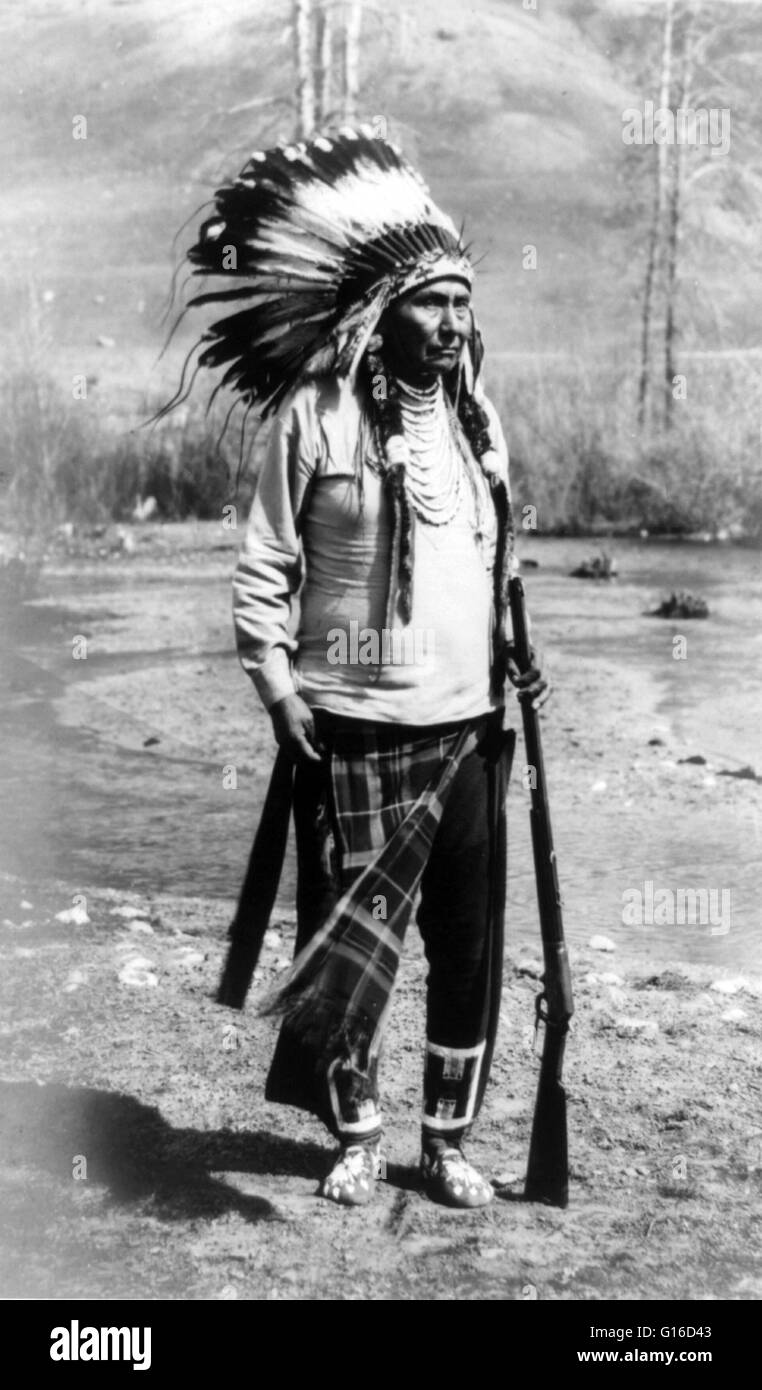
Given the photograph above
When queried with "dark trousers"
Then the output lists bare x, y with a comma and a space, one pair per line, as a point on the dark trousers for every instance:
460, 918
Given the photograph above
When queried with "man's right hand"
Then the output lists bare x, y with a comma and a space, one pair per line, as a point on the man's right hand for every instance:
294, 729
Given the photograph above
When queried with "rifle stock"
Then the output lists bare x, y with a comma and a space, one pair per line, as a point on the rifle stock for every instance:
547, 1177
260, 887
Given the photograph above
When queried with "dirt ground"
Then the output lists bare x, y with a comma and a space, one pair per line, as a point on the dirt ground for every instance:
139, 1160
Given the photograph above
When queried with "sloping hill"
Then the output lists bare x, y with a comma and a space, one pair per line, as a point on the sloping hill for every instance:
514, 115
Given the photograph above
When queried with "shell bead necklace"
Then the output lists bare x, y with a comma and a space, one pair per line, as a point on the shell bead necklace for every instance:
434, 466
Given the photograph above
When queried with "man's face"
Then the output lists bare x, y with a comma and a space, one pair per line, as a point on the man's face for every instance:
424, 332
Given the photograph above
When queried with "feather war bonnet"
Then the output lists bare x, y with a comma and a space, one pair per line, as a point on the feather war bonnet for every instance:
308, 246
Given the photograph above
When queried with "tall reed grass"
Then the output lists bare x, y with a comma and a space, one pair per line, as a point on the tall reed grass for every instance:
577, 455
61, 462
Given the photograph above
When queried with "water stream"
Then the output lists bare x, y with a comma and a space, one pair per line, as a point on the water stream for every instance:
88, 798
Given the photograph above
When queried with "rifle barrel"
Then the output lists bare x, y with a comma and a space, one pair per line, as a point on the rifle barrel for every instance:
548, 1166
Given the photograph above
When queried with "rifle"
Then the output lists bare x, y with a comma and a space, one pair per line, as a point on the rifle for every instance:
547, 1178
260, 886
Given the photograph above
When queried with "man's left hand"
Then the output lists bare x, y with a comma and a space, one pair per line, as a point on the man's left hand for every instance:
530, 685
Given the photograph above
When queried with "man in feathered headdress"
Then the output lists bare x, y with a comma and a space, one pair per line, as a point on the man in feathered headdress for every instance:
384, 499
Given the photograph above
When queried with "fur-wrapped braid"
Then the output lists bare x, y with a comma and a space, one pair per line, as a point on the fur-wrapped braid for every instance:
387, 420
475, 422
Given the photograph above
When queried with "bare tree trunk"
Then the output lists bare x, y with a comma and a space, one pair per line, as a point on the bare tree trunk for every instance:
352, 28
325, 59
655, 235
305, 83
677, 172
645, 322
673, 215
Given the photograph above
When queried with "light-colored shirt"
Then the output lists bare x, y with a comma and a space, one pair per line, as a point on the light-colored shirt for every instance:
311, 524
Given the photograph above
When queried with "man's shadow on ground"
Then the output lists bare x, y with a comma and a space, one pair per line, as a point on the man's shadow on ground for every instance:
129, 1149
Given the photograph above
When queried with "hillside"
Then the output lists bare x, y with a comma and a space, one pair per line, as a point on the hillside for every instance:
514, 115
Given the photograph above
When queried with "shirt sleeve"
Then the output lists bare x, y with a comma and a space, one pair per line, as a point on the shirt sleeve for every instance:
270, 565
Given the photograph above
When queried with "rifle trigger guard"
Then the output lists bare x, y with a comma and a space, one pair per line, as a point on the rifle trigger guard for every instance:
540, 1014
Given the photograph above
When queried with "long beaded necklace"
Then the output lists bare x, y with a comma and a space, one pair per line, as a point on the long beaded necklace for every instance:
434, 471
437, 461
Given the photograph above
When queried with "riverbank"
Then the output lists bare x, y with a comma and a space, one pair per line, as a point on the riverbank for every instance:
138, 1157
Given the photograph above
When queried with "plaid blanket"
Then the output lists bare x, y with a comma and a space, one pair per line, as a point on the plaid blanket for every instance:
389, 795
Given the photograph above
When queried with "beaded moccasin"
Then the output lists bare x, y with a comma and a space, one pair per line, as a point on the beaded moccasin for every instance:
352, 1179
449, 1178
